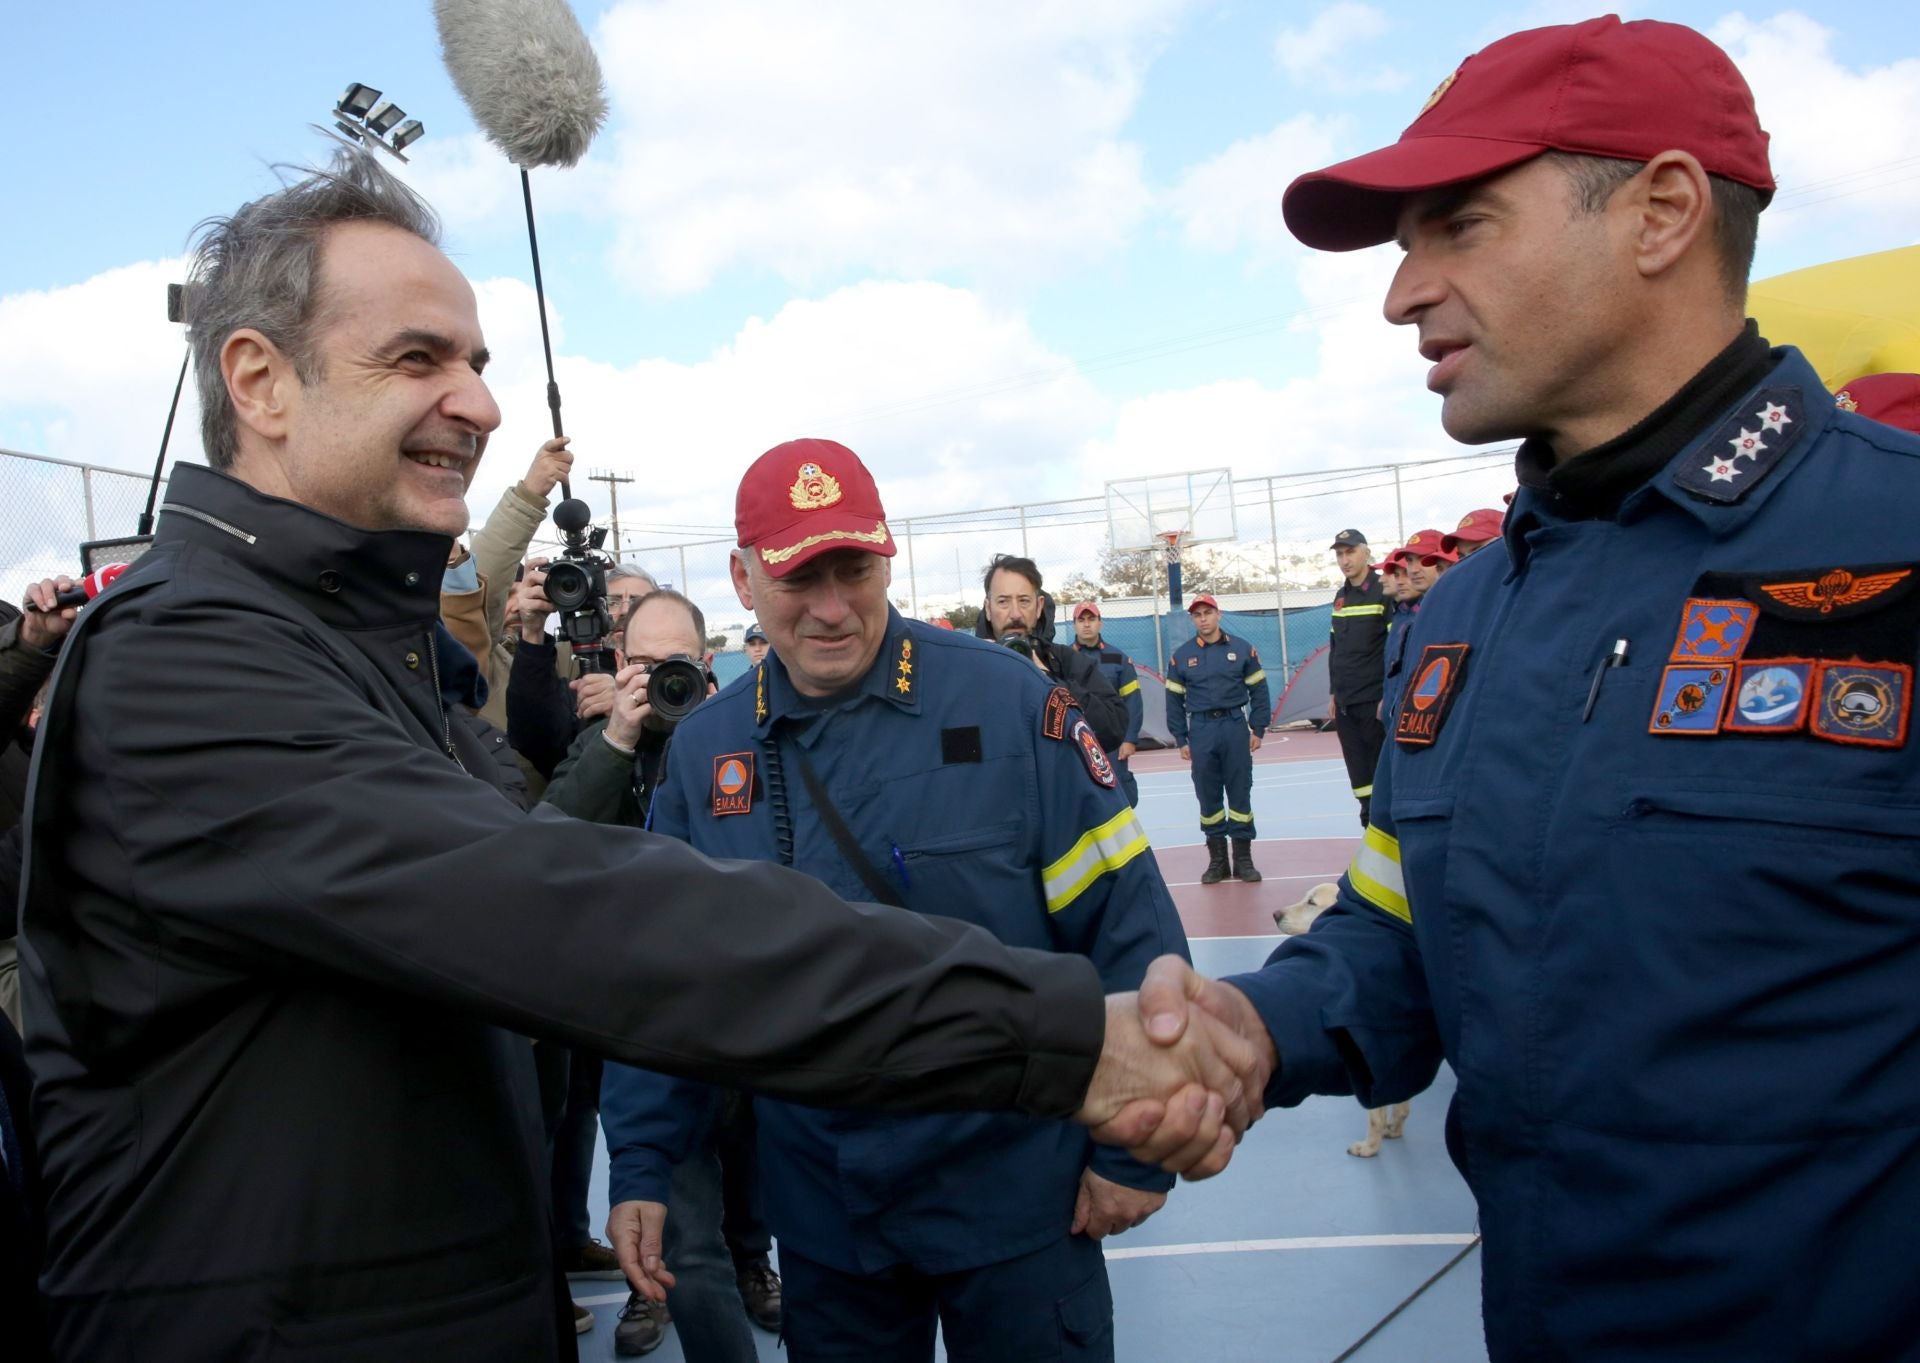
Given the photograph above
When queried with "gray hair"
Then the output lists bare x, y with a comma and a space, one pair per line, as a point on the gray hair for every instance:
1736, 209
260, 268
624, 570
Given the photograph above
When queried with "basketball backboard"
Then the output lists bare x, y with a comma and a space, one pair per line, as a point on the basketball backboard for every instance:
1140, 511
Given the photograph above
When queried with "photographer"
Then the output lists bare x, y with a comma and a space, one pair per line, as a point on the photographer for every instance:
1020, 616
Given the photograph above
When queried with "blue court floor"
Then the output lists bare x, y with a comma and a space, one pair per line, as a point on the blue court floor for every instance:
1299, 1249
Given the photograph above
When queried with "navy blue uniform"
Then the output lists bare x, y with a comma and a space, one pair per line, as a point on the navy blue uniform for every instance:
1670, 950
978, 792
1119, 671
1216, 694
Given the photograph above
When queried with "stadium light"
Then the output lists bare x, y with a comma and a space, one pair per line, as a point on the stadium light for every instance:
362, 116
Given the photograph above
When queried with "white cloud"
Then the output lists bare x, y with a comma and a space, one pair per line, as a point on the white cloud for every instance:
1845, 140
805, 139
1318, 55
1232, 201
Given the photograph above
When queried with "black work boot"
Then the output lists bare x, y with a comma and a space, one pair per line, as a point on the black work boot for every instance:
1216, 862
1243, 867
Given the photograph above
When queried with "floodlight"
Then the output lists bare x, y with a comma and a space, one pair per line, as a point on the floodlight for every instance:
407, 134
358, 99
384, 117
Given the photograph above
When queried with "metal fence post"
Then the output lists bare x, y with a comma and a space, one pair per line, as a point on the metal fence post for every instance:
1399, 512
86, 496
684, 584
1023, 534
913, 583
1279, 597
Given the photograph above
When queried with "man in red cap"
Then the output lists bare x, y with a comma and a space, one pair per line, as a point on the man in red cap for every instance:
1217, 711
1642, 864
916, 767
1477, 529
1120, 673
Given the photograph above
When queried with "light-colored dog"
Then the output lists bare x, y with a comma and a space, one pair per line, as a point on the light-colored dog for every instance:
1382, 1122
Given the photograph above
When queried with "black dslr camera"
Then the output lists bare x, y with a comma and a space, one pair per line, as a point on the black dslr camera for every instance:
577, 586
675, 686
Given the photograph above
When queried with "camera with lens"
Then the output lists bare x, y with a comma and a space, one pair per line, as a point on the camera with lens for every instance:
1019, 642
577, 586
675, 686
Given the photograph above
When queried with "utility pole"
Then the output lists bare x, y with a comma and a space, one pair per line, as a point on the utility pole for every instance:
610, 478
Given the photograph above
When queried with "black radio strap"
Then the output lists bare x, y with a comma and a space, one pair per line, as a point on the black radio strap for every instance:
877, 884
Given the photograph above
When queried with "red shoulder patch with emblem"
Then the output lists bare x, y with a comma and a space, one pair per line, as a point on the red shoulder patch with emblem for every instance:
1099, 765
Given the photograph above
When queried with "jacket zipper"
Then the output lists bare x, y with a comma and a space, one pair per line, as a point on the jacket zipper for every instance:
439, 700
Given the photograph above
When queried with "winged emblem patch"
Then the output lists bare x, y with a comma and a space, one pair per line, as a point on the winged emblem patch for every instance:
1835, 590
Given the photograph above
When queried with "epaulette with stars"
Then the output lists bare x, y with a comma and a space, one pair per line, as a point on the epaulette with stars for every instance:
903, 668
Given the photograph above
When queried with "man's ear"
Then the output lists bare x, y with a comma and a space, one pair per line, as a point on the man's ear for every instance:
742, 580
259, 379
1672, 207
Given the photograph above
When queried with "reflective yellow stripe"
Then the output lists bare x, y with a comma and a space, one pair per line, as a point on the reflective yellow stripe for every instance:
1176, 688
1346, 611
1238, 817
1133, 686
1100, 850
1375, 874
1206, 819
1362, 792
1259, 676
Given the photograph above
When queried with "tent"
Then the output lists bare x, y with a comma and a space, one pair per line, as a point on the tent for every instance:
1849, 317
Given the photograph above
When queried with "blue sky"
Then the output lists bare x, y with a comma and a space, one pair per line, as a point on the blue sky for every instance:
1005, 254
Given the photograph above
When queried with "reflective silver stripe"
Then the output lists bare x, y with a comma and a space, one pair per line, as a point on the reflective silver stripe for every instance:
1375, 874
1256, 678
1346, 611
1100, 850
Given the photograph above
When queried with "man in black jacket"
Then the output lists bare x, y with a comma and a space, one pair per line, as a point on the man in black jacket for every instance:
1354, 652
1018, 613
280, 925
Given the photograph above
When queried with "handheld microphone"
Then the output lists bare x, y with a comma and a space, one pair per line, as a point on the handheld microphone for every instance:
530, 79
89, 587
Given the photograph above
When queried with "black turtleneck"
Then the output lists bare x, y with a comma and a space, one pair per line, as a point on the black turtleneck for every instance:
1591, 486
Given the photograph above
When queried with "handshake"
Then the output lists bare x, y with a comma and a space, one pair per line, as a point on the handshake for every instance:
1182, 1071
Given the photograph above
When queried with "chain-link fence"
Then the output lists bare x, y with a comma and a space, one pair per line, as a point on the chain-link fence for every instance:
1275, 565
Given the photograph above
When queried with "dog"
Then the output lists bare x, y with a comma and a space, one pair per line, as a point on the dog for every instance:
1383, 1123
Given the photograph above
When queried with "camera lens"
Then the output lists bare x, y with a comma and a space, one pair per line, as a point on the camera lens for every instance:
1019, 643
569, 586
675, 688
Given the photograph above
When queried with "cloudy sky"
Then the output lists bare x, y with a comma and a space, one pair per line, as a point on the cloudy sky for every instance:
1008, 251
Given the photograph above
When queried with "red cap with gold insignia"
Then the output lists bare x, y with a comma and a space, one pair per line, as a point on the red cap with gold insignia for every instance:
1627, 91
1476, 527
1204, 599
1422, 543
1893, 399
1395, 562
1087, 608
804, 498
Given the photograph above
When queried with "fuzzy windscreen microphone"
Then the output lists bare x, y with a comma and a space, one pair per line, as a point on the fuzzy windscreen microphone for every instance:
527, 73
529, 76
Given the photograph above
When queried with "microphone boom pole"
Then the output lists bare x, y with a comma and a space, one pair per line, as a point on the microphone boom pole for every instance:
540, 295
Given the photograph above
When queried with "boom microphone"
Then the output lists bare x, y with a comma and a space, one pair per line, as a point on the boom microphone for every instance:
532, 83
528, 75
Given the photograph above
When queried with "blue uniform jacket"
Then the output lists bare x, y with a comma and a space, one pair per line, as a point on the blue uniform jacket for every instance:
979, 792
1671, 952
1118, 669
1227, 675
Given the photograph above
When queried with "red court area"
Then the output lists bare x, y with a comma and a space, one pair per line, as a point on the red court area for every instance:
1290, 857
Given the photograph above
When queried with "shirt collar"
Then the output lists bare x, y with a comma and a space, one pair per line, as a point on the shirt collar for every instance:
894, 677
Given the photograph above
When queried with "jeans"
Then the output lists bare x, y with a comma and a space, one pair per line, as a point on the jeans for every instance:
705, 1300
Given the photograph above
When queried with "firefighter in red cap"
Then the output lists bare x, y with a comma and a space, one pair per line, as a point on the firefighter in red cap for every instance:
1217, 710
1118, 669
1642, 866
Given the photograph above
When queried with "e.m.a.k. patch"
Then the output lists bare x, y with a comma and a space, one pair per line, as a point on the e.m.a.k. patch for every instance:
733, 784
1771, 696
1865, 703
1430, 695
1690, 701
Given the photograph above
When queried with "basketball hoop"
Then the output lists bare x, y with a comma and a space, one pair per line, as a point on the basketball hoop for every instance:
1172, 539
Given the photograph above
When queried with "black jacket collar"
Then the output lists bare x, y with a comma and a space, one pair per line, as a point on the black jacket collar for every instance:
349, 577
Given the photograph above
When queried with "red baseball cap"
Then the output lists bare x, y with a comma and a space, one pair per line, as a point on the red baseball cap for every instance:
1601, 88
1476, 527
1893, 399
1396, 562
1202, 600
1087, 608
805, 498
1440, 556
1422, 543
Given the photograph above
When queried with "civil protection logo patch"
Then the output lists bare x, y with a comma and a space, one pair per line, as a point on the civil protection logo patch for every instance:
1430, 695
1713, 631
1095, 756
1864, 703
1770, 696
732, 784
1690, 700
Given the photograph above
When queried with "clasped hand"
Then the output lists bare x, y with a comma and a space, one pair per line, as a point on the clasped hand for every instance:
1182, 1071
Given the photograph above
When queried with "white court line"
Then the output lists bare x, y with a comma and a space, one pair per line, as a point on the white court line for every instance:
1317, 876
1250, 937
1296, 1242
